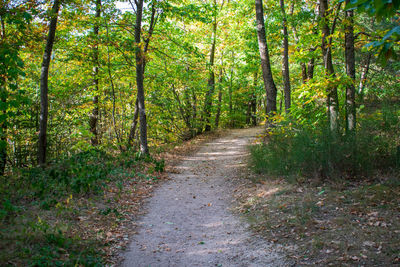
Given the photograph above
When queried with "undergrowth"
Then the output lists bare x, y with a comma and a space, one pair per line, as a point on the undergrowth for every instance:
38, 206
309, 151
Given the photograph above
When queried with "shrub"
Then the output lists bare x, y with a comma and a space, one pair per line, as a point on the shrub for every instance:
314, 152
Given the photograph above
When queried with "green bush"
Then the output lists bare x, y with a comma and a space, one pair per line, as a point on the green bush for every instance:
81, 173
311, 152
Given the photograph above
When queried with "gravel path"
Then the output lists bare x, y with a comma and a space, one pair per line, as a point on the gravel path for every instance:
189, 222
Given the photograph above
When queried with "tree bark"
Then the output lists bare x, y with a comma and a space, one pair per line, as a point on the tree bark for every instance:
134, 124
310, 68
116, 131
230, 89
218, 115
95, 112
181, 108
364, 75
285, 65
3, 125
351, 72
140, 61
44, 87
211, 79
269, 83
332, 97
254, 101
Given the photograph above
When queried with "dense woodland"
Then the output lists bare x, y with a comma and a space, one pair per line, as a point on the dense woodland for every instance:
103, 77
134, 75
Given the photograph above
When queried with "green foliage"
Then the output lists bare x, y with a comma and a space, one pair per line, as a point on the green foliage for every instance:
81, 173
7, 209
387, 47
379, 8
55, 248
312, 152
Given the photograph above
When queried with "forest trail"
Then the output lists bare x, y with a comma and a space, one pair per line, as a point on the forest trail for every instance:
189, 222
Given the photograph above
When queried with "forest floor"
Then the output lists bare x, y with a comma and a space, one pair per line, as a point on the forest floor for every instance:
326, 223
189, 221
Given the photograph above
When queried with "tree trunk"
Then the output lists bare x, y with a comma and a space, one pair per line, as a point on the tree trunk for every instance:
230, 92
254, 102
351, 72
134, 124
211, 79
285, 65
304, 77
217, 116
269, 83
310, 69
116, 131
3, 125
364, 75
44, 76
181, 108
140, 61
332, 97
95, 112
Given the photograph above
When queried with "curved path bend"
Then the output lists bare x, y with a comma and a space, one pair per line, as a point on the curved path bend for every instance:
189, 222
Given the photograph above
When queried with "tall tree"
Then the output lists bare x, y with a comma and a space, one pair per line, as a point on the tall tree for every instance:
269, 83
350, 71
326, 45
95, 112
296, 38
211, 77
140, 64
3, 98
364, 74
285, 65
218, 115
141, 60
44, 83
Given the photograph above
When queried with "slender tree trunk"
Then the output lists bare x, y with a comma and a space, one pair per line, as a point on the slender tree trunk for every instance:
364, 75
181, 108
187, 104
3, 99
194, 112
304, 77
351, 72
269, 83
218, 115
310, 68
285, 65
211, 79
296, 38
140, 61
116, 131
140, 66
254, 101
44, 76
134, 124
95, 112
230, 89
332, 97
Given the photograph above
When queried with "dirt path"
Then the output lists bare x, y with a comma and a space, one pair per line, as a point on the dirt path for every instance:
189, 222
